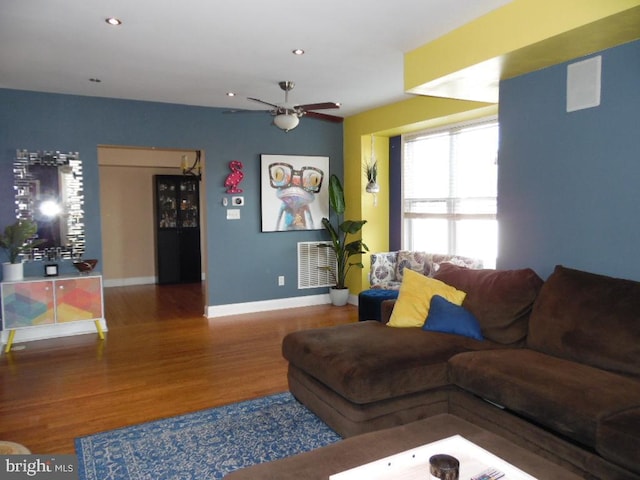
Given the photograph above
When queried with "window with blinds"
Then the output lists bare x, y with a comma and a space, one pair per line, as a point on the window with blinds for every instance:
449, 183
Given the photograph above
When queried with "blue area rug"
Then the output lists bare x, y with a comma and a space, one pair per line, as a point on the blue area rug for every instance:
204, 445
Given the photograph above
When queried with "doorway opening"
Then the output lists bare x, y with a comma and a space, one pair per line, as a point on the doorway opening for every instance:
127, 210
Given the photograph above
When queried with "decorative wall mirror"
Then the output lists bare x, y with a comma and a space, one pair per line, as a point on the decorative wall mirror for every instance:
48, 190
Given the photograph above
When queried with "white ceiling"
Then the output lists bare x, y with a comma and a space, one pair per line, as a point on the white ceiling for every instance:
194, 51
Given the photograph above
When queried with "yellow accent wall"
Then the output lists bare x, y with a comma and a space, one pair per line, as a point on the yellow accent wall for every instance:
410, 115
522, 36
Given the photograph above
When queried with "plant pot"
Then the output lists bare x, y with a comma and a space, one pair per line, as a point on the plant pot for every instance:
12, 272
373, 187
339, 296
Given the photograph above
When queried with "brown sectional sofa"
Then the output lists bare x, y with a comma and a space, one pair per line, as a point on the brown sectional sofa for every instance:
558, 371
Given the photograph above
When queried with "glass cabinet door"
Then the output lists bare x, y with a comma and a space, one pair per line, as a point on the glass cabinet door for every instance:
167, 202
189, 204
178, 258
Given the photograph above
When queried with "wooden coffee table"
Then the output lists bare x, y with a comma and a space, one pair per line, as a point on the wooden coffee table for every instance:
322, 463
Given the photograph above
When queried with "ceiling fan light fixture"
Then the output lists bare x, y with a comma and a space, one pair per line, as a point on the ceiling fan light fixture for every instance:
286, 121
113, 21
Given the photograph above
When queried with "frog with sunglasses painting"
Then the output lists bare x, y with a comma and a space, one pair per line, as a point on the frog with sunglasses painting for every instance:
296, 189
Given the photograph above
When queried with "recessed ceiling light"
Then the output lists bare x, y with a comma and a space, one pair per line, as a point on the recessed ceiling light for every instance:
298, 51
231, 94
113, 21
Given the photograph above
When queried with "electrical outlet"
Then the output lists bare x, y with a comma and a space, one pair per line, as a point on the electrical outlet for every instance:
281, 280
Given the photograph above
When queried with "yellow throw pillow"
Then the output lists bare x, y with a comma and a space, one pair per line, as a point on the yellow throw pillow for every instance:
413, 302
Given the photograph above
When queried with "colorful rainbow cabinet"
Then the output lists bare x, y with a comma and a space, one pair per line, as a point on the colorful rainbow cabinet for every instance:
39, 302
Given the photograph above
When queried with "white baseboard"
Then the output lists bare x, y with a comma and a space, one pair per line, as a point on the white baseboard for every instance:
43, 332
213, 311
127, 282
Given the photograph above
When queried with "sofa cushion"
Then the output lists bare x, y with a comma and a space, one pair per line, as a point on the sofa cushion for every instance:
618, 438
447, 317
368, 361
501, 300
566, 396
588, 318
414, 299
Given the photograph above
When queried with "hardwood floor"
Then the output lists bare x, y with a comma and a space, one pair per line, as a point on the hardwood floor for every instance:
160, 358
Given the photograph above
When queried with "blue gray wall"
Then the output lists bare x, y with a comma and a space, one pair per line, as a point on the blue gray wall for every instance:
569, 183
243, 263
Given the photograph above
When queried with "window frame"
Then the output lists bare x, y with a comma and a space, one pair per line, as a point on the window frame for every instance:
450, 215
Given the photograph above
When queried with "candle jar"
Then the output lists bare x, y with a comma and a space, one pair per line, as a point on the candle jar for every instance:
444, 467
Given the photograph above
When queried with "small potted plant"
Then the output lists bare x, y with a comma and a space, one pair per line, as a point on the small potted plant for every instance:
343, 248
17, 239
371, 172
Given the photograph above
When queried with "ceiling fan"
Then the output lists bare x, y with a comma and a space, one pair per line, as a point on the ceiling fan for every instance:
286, 117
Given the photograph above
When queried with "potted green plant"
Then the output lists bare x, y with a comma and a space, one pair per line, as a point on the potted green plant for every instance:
17, 239
371, 172
343, 247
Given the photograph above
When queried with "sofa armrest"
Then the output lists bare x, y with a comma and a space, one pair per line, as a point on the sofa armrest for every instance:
386, 308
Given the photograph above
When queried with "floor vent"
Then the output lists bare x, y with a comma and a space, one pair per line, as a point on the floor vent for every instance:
311, 259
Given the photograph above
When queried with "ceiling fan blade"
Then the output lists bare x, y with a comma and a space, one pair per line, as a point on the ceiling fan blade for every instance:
318, 106
262, 101
324, 116
244, 110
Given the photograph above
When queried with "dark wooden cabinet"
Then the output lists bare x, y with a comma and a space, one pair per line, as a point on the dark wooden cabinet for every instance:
177, 224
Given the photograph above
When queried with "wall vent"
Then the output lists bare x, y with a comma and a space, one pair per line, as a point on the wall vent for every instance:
311, 258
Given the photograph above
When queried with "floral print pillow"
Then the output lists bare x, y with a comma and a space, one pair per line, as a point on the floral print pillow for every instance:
387, 268
438, 259
416, 261
383, 269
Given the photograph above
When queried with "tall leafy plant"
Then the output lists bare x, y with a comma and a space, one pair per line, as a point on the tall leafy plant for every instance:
18, 238
343, 247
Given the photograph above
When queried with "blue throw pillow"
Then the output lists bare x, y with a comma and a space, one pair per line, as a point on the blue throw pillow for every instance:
447, 317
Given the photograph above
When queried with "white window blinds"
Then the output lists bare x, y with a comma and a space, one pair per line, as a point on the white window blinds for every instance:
450, 189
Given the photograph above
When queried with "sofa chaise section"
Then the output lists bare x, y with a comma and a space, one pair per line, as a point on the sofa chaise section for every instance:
368, 376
